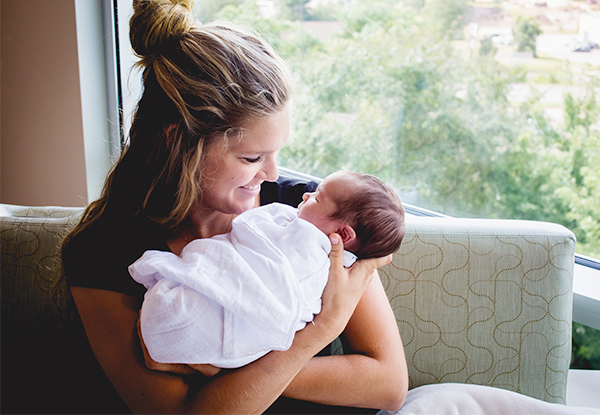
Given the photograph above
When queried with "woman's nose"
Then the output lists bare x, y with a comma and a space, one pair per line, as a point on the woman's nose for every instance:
270, 169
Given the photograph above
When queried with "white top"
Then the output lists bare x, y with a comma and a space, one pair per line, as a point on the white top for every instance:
231, 299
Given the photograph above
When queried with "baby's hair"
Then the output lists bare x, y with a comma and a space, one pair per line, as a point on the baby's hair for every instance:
376, 213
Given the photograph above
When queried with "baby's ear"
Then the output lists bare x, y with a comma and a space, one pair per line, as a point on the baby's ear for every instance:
347, 233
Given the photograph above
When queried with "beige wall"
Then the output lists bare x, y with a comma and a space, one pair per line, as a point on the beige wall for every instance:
42, 148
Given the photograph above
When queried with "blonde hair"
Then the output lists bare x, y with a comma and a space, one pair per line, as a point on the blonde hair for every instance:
201, 83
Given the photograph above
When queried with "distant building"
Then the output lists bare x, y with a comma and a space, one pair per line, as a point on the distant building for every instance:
589, 28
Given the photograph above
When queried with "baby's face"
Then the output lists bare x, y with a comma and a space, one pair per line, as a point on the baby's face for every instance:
317, 207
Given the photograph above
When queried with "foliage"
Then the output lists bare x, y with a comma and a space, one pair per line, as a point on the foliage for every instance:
288, 37
448, 16
525, 31
294, 9
389, 96
487, 47
408, 91
363, 14
585, 351
324, 10
206, 10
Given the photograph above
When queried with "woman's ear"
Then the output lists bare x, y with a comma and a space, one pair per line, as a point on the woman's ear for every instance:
347, 233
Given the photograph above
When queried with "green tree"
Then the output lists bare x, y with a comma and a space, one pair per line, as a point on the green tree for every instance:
585, 351
363, 14
448, 16
434, 117
575, 147
289, 38
295, 9
206, 10
487, 47
525, 32
389, 97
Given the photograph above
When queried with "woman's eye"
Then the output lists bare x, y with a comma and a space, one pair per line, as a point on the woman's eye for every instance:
253, 160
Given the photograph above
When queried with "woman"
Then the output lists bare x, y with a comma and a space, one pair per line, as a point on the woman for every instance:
214, 112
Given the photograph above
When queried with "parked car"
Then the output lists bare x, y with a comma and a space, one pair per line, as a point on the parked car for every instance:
581, 46
503, 39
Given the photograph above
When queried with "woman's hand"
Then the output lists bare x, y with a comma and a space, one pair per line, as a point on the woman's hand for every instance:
345, 287
182, 369
372, 371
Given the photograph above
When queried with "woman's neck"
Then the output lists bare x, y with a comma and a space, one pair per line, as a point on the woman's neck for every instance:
201, 224
206, 224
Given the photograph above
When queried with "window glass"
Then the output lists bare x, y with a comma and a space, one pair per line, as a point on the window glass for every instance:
477, 109
474, 109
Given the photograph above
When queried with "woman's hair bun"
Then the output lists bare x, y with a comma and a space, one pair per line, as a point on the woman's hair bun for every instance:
156, 23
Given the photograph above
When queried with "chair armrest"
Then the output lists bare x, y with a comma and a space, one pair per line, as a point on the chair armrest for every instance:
486, 302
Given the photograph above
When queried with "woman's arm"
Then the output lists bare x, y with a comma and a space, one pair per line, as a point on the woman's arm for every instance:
110, 321
372, 374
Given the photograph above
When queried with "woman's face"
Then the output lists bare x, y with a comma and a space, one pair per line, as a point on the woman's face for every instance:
234, 170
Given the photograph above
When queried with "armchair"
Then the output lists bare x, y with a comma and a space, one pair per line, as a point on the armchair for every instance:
486, 302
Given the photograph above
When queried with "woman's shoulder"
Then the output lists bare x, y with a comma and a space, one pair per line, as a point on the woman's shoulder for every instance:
286, 190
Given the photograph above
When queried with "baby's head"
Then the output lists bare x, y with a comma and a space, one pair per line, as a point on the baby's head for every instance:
363, 210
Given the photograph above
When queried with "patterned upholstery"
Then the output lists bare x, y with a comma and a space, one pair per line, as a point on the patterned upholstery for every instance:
31, 267
486, 302
477, 301
39, 323
32, 291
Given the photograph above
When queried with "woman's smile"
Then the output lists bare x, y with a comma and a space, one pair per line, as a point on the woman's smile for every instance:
235, 169
252, 188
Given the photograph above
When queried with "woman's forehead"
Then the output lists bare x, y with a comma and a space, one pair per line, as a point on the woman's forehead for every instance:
261, 134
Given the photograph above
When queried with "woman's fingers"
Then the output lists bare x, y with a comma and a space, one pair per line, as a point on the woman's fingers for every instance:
346, 286
336, 256
372, 264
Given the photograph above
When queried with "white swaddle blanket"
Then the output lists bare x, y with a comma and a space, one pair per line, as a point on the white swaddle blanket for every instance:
230, 299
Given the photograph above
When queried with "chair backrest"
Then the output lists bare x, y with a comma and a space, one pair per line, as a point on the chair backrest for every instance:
487, 302
46, 365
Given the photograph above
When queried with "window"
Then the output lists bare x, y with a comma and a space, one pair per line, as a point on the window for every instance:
475, 109
437, 99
